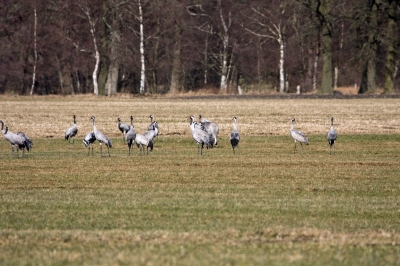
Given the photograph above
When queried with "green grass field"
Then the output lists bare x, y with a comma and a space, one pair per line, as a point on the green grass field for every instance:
266, 206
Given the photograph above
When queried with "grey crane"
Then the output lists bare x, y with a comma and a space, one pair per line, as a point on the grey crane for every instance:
29, 142
142, 141
211, 127
332, 136
101, 138
15, 140
71, 132
152, 125
298, 136
124, 128
152, 131
89, 139
235, 136
201, 136
130, 136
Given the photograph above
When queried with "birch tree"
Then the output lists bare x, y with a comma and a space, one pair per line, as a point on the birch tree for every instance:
143, 66
224, 35
92, 24
267, 28
35, 51
216, 22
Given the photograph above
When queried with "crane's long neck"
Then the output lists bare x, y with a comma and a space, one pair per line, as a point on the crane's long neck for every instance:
234, 125
131, 120
94, 126
291, 127
192, 123
74, 120
2, 125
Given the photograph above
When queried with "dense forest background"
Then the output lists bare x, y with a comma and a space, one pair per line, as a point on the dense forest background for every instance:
169, 46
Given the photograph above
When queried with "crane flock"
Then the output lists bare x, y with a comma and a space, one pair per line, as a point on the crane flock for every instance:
204, 133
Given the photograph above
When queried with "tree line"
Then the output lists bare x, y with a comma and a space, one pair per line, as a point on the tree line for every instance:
169, 46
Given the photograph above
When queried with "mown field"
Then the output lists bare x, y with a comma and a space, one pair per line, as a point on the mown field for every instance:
266, 206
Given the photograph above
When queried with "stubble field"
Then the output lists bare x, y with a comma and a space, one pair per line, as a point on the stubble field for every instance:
266, 206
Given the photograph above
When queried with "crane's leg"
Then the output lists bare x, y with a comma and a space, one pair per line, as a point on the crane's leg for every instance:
108, 149
88, 151
294, 150
238, 149
12, 150
101, 150
301, 144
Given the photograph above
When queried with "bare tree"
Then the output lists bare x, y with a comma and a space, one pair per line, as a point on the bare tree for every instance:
143, 65
35, 51
92, 24
271, 27
391, 43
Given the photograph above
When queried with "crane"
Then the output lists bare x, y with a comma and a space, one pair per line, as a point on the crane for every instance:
201, 136
17, 140
130, 136
71, 131
89, 139
211, 127
101, 138
332, 136
235, 136
124, 128
298, 136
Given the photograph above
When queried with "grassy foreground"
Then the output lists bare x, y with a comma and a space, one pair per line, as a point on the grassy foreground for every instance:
265, 206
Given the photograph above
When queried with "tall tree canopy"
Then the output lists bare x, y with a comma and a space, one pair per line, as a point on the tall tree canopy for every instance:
161, 46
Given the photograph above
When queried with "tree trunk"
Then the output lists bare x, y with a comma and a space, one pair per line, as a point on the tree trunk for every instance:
327, 69
103, 70
281, 63
315, 66
143, 66
224, 53
368, 78
96, 50
112, 78
35, 50
176, 72
391, 50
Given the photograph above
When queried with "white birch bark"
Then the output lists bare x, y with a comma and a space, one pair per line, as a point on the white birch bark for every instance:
281, 63
224, 54
206, 61
35, 51
314, 79
97, 54
275, 32
143, 67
